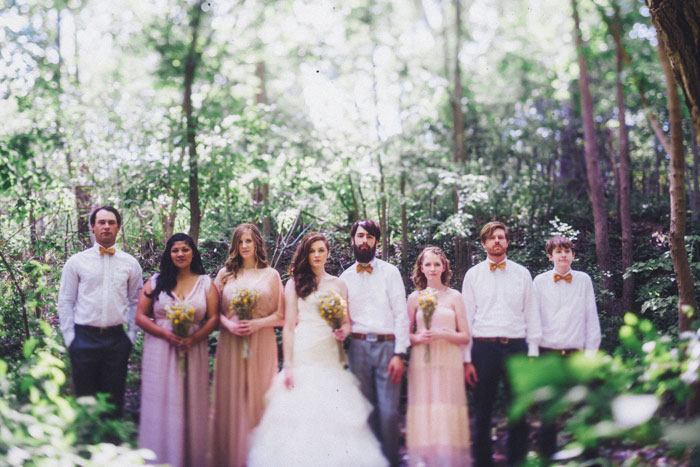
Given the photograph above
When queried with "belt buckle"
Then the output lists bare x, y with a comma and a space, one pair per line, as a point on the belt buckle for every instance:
371, 337
503, 340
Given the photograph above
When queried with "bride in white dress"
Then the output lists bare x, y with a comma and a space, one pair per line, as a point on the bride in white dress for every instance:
316, 415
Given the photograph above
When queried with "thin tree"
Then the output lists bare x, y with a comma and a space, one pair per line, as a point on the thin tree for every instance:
191, 62
595, 180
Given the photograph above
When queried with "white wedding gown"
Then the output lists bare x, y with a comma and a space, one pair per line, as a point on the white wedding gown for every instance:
322, 420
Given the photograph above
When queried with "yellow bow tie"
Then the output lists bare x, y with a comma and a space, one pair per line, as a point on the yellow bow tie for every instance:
109, 251
495, 266
566, 277
364, 268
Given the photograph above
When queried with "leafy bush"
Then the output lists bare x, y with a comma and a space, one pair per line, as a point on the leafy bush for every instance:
613, 397
41, 426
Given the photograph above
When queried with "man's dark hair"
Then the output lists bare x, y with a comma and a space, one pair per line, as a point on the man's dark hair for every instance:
370, 226
106, 208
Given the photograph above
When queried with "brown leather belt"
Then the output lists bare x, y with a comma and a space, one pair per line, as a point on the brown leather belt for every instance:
372, 337
562, 352
101, 330
500, 340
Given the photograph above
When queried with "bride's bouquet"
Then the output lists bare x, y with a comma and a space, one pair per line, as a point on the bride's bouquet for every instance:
181, 316
333, 309
427, 301
243, 304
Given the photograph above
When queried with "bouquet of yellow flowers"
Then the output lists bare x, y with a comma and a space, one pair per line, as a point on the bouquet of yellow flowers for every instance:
243, 304
333, 309
181, 316
427, 301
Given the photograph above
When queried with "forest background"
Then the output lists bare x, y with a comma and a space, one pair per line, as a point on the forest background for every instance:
432, 117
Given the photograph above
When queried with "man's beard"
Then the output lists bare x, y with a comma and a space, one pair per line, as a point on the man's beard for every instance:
364, 255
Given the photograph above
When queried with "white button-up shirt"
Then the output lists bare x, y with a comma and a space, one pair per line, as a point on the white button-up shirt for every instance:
98, 290
501, 303
377, 302
568, 312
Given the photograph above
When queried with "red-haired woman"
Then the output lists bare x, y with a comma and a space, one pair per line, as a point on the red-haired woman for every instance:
437, 422
241, 381
316, 415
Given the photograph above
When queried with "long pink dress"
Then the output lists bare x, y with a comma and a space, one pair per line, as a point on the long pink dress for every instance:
437, 421
175, 403
240, 383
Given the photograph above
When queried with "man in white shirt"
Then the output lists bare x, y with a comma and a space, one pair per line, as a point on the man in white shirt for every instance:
503, 319
377, 307
98, 295
569, 317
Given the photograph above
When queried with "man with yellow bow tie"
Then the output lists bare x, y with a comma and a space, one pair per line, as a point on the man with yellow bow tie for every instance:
569, 316
503, 319
98, 295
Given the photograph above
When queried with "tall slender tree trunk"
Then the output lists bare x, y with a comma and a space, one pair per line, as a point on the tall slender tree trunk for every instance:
191, 62
262, 188
678, 26
459, 156
595, 179
625, 188
695, 208
681, 266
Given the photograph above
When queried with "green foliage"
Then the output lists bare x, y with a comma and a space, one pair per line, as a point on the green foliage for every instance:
612, 397
41, 426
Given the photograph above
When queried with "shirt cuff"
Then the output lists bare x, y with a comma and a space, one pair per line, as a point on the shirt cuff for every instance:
533, 350
131, 334
68, 337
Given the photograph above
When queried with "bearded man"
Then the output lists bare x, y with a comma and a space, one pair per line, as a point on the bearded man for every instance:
377, 306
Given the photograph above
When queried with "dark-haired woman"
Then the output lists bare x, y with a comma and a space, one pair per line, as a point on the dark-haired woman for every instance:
240, 382
316, 415
174, 393
437, 423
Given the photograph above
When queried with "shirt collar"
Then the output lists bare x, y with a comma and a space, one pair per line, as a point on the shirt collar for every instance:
372, 263
491, 262
97, 246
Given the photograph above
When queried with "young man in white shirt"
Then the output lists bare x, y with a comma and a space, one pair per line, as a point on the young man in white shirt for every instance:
569, 316
98, 295
504, 320
377, 307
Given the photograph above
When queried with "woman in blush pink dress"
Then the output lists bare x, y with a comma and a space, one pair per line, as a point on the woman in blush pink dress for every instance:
437, 421
240, 383
175, 389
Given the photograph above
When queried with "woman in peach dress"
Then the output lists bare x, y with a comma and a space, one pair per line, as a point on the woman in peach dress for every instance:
175, 371
241, 381
437, 421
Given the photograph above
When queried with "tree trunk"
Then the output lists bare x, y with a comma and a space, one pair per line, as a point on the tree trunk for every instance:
595, 180
616, 172
263, 190
404, 230
695, 208
625, 189
678, 25
458, 143
191, 62
681, 266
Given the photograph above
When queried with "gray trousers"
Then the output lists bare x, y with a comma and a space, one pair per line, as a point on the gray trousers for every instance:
369, 362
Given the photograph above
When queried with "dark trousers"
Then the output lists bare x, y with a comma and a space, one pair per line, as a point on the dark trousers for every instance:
489, 361
99, 362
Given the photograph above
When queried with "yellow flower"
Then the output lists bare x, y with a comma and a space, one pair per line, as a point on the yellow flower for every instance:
176, 321
245, 300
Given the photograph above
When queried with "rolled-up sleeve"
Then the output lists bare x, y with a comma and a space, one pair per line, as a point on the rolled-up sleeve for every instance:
67, 296
134, 285
397, 299
533, 322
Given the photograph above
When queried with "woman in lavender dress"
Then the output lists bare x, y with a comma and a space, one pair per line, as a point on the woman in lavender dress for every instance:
175, 370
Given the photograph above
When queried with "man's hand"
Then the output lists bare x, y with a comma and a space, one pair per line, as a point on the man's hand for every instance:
395, 369
470, 375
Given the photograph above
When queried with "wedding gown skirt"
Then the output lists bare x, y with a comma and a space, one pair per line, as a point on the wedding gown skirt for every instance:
322, 420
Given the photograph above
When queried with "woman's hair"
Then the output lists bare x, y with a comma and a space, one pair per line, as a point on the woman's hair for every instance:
305, 281
167, 277
419, 278
234, 262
